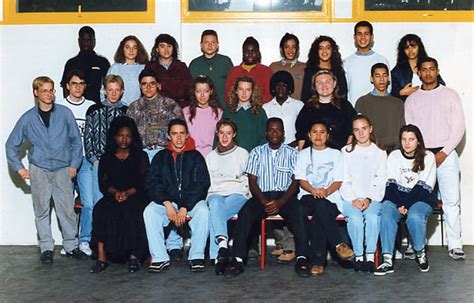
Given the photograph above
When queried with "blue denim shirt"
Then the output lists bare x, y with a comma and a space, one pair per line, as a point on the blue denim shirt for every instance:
54, 147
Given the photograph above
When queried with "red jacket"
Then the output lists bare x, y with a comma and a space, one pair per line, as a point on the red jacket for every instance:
260, 73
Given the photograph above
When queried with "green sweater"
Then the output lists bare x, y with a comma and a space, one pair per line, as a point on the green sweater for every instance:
215, 68
387, 115
250, 127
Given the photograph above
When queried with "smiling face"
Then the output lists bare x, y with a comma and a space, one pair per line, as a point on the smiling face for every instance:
318, 135
409, 143
202, 93
123, 138
275, 134
325, 51
250, 52
113, 92
290, 49
362, 130
76, 87
225, 135
178, 136
380, 80
363, 39
244, 91
209, 45
130, 51
324, 85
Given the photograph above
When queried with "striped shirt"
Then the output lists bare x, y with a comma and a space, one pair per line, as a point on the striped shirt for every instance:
274, 171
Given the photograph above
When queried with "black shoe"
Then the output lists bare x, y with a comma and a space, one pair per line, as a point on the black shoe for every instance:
47, 257
223, 254
196, 265
369, 267
234, 269
359, 266
384, 269
302, 268
98, 267
133, 265
422, 261
76, 253
176, 254
219, 267
159, 266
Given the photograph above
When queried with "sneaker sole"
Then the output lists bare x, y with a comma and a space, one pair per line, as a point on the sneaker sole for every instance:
197, 269
383, 273
424, 270
157, 270
409, 257
456, 257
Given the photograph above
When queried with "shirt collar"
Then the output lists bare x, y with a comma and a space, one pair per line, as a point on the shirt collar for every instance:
244, 107
292, 62
374, 93
369, 53
166, 66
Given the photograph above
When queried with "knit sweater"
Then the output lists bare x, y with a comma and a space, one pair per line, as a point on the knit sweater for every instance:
296, 70
203, 127
227, 172
217, 68
387, 115
439, 115
364, 173
260, 73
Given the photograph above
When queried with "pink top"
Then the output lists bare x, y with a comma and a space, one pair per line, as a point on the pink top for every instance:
439, 115
203, 127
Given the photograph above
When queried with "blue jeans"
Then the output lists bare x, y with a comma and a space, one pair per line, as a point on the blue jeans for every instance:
416, 220
221, 209
156, 219
363, 224
88, 183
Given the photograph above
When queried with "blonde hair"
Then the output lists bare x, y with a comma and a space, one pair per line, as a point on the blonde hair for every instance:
255, 100
39, 81
113, 79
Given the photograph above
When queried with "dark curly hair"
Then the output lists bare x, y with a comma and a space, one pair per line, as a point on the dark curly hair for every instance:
115, 126
142, 55
313, 55
213, 103
164, 38
410, 39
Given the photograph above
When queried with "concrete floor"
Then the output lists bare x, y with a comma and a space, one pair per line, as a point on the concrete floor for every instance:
24, 279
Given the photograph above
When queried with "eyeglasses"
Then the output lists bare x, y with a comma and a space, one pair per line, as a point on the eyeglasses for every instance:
77, 84
47, 91
145, 84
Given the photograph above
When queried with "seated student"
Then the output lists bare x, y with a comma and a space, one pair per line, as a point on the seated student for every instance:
386, 112
174, 74
362, 190
319, 171
118, 230
246, 111
250, 67
54, 157
411, 176
75, 101
229, 189
203, 113
177, 184
273, 187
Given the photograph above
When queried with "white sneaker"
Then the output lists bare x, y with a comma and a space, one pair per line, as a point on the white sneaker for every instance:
62, 252
398, 255
84, 247
457, 254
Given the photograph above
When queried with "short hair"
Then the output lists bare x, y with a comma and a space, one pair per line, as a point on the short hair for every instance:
39, 81
209, 32
287, 37
252, 41
226, 122
168, 39
75, 72
427, 59
177, 122
363, 23
113, 79
86, 30
147, 72
275, 120
378, 65
142, 55
282, 76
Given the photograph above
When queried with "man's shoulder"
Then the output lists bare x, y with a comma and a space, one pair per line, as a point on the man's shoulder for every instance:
94, 108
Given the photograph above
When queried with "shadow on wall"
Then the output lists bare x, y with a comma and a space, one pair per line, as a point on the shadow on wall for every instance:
15, 177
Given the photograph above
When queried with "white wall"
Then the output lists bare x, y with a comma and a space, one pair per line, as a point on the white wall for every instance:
27, 51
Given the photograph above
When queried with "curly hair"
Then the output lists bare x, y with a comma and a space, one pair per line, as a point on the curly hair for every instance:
164, 38
142, 55
255, 100
336, 100
313, 55
115, 126
213, 103
410, 39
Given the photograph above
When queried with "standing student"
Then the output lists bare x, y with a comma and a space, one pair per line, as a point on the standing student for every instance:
405, 79
358, 65
245, 110
411, 176
328, 106
323, 54
212, 64
362, 190
289, 52
93, 66
174, 74
203, 113
319, 170
54, 158
130, 59
79, 105
437, 111
229, 189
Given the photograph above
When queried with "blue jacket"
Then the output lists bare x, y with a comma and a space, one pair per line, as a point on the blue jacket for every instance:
54, 147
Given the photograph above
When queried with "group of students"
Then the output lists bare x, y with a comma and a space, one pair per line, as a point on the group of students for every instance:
204, 144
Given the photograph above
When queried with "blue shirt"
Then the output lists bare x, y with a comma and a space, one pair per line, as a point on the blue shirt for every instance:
54, 147
273, 168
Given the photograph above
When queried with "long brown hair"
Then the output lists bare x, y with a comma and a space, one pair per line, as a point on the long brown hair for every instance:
372, 137
142, 55
420, 151
255, 100
336, 100
213, 103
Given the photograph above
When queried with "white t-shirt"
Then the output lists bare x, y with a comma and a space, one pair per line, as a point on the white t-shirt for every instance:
320, 168
288, 112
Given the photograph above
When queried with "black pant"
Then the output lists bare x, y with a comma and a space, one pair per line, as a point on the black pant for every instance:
323, 227
254, 210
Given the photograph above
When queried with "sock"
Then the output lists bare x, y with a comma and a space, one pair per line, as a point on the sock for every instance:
369, 257
359, 258
387, 258
222, 242
239, 259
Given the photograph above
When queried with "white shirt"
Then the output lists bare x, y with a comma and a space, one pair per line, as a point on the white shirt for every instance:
288, 112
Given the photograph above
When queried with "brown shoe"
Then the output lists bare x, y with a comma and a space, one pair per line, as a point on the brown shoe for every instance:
344, 251
286, 257
317, 270
277, 251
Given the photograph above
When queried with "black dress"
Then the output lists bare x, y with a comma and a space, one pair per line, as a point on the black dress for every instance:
120, 226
